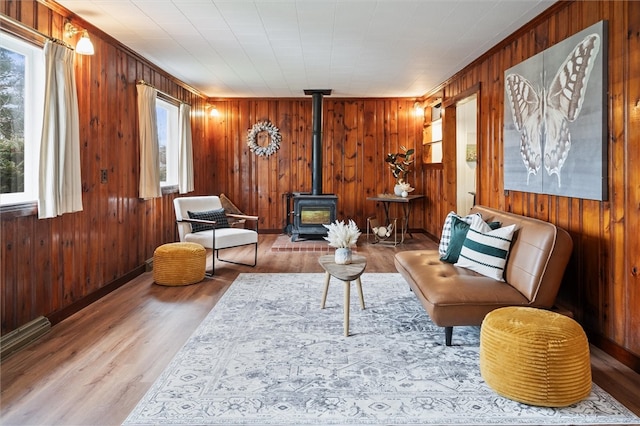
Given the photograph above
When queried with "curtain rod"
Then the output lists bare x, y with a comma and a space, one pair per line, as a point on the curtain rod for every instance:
160, 91
33, 31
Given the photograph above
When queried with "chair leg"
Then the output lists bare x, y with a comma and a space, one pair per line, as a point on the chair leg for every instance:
210, 274
255, 257
448, 334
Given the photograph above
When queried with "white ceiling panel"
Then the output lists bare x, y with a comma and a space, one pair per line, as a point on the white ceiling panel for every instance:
278, 48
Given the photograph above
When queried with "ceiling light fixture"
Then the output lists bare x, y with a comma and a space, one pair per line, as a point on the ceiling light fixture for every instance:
84, 46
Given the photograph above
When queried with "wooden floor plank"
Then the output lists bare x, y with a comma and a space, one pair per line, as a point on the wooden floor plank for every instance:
94, 367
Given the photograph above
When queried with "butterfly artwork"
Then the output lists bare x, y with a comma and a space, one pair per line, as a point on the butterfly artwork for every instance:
545, 129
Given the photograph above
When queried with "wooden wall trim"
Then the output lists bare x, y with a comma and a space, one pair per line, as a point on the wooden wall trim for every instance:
67, 311
13, 211
303, 97
475, 89
626, 357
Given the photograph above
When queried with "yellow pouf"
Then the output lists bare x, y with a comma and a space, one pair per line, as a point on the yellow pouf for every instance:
535, 356
176, 264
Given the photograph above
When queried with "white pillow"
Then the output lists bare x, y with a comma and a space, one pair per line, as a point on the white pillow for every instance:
485, 251
445, 238
479, 224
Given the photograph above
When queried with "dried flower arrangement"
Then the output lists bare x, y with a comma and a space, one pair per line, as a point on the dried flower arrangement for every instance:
342, 235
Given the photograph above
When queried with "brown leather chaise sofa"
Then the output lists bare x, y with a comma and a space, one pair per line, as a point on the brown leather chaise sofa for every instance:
455, 296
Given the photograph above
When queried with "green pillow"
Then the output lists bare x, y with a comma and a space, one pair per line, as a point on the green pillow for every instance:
459, 229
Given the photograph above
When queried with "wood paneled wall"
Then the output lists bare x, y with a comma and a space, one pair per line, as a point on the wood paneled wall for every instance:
50, 264
602, 283
357, 135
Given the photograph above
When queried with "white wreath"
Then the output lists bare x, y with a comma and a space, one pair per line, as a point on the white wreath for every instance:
274, 139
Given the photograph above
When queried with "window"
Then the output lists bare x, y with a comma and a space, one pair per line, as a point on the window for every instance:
168, 141
21, 105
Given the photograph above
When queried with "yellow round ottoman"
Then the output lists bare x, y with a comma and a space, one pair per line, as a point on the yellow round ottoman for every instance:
176, 264
535, 356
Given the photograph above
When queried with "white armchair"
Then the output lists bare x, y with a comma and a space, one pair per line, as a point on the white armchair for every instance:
199, 220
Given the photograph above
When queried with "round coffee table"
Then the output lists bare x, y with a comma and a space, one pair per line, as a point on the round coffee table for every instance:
346, 274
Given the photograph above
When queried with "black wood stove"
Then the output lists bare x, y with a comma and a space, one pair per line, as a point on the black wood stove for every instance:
310, 213
312, 210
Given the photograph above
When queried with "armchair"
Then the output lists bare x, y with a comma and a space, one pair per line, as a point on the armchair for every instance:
213, 233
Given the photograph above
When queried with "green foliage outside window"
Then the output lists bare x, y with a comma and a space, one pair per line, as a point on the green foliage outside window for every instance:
12, 88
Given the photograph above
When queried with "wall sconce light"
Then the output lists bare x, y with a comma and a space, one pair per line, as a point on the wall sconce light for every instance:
84, 46
418, 109
214, 111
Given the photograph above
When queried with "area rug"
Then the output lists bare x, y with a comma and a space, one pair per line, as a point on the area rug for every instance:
268, 355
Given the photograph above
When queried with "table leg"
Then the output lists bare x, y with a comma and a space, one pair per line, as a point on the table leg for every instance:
407, 215
386, 204
327, 277
406, 210
359, 285
347, 289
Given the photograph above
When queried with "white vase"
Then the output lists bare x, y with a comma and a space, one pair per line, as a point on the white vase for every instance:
343, 256
398, 190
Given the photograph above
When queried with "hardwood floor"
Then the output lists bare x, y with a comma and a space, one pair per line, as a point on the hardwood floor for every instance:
94, 367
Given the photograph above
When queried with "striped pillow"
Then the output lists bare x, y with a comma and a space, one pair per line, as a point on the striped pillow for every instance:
485, 252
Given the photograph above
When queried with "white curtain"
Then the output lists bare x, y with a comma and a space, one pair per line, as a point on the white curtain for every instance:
60, 182
185, 166
149, 151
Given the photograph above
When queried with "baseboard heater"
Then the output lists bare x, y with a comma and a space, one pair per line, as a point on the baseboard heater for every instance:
22, 336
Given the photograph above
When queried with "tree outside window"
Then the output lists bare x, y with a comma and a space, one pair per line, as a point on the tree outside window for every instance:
12, 89
21, 108
168, 141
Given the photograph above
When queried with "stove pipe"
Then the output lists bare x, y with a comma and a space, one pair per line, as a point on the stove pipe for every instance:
316, 147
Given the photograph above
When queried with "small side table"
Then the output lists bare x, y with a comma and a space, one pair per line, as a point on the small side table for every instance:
405, 202
346, 274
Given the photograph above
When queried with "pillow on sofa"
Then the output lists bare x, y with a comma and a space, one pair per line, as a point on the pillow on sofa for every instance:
486, 252
218, 215
459, 229
446, 229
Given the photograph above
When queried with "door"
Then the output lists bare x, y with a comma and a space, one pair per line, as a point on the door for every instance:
466, 157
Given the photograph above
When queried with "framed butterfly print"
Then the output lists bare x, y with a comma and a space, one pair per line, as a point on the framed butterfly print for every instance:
555, 119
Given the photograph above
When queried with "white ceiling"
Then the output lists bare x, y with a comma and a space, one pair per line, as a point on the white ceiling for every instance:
278, 48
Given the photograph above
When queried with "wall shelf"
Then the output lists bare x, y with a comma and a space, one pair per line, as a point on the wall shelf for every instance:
432, 141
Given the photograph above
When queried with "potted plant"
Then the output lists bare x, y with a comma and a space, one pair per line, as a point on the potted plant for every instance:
342, 236
400, 166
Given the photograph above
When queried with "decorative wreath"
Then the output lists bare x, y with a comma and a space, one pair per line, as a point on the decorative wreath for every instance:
274, 139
